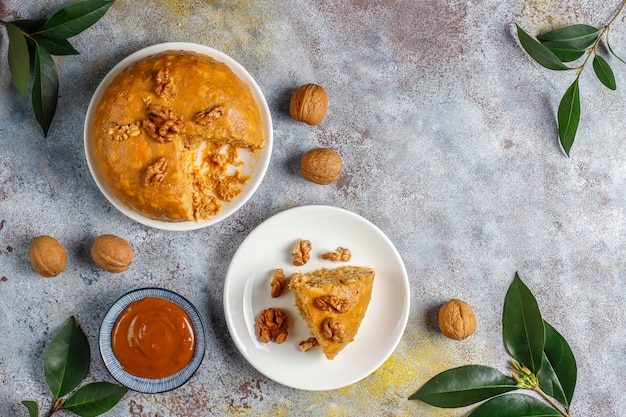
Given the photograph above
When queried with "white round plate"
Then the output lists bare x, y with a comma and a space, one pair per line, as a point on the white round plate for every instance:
247, 293
256, 163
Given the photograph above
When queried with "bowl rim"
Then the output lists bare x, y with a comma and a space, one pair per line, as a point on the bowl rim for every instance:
262, 162
150, 385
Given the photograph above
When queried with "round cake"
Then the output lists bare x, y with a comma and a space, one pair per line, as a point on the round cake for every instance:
167, 135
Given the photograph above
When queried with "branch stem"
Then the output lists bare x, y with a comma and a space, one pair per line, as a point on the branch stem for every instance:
563, 412
603, 32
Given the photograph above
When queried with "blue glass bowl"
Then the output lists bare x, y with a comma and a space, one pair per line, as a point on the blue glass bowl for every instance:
148, 385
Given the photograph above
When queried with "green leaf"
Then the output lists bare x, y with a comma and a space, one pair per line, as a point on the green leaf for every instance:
19, 59
522, 325
557, 376
463, 386
540, 53
28, 26
608, 45
32, 407
67, 359
94, 399
576, 36
515, 405
604, 72
563, 51
45, 88
568, 116
55, 46
73, 19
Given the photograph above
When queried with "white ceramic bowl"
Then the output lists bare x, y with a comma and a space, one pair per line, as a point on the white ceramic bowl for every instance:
258, 163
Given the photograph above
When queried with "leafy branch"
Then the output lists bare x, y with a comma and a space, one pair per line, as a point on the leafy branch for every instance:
555, 48
32, 45
543, 363
65, 366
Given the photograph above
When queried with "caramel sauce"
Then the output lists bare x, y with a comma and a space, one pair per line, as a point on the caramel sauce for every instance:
153, 338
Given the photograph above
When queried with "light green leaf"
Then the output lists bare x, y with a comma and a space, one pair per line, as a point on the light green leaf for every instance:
19, 59
540, 53
94, 399
32, 407
604, 72
73, 19
522, 325
67, 359
568, 116
576, 36
557, 376
463, 386
514, 405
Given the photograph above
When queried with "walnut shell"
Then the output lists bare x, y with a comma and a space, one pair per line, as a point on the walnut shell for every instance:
321, 166
112, 253
457, 320
47, 256
308, 104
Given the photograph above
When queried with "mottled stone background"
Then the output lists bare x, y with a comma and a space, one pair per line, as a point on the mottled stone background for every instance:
447, 131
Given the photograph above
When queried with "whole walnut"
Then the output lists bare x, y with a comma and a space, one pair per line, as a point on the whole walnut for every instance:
457, 320
47, 256
308, 104
321, 166
112, 253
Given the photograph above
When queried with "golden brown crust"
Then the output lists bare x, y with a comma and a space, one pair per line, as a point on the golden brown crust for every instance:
188, 111
349, 288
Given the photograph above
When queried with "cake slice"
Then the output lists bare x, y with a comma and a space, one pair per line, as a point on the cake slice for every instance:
333, 303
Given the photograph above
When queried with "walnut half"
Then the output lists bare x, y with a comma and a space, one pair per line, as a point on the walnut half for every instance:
162, 125
332, 303
332, 330
123, 132
155, 172
302, 252
164, 82
272, 324
308, 344
206, 116
340, 255
278, 283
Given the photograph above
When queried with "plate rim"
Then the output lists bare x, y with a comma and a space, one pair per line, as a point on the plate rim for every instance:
403, 319
150, 385
263, 160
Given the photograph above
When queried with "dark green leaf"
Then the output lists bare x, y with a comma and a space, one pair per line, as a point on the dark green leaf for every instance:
75, 18
569, 116
463, 386
45, 88
28, 26
604, 72
540, 53
67, 359
94, 399
564, 52
522, 325
576, 36
19, 60
557, 376
33, 408
55, 46
514, 405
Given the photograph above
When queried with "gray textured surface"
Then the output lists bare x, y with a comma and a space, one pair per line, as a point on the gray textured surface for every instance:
447, 131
